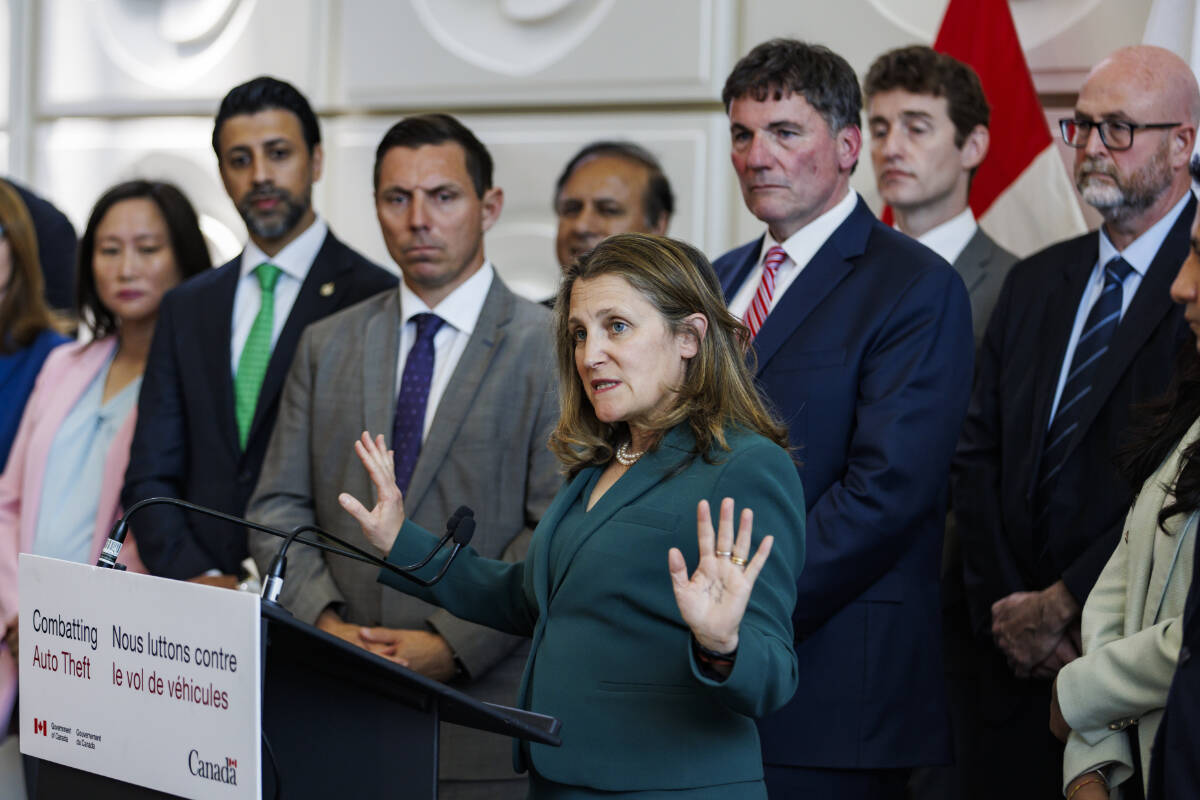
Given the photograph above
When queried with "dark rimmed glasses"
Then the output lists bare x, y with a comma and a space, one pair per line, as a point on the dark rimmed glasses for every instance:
1114, 133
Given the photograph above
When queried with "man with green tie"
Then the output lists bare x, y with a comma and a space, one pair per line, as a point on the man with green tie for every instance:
225, 339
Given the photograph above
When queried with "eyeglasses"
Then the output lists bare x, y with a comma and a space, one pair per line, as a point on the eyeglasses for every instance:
1115, 134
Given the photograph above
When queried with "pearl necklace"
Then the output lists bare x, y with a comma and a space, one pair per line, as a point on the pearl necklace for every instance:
627, 458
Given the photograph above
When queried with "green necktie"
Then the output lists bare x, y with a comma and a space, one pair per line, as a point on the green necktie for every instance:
252, 366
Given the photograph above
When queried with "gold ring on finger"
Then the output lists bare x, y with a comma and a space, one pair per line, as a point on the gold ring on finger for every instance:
738, 560
723, 554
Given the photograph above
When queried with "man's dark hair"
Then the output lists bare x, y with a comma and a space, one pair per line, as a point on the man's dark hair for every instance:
418, 131
184, 238
923, 70
262, 94
658, 198
780, 67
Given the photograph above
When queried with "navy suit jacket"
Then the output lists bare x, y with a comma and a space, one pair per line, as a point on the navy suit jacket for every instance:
1174, 767
185, 444
868, 358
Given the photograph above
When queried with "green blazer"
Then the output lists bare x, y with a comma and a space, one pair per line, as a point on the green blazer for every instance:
611, 656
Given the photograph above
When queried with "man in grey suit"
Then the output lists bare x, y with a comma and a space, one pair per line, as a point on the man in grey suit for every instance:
457, 373
928, 119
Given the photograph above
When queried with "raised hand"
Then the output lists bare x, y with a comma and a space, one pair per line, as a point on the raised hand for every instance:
381, 524
713, 600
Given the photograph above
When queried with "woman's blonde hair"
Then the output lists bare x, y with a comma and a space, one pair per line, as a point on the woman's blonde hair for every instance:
718, 385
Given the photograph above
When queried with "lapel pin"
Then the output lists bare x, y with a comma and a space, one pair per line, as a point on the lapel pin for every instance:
326, 289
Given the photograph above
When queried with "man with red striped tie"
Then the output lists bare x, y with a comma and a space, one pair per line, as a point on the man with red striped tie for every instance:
864, 344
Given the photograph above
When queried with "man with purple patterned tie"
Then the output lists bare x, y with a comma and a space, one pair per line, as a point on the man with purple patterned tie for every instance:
457, 372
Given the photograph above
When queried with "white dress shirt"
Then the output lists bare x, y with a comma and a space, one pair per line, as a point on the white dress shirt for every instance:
460, 310
294, 262
800, 247
950, 238
1140, 254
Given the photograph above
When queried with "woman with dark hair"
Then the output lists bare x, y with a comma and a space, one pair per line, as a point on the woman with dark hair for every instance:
1108, 703
656, 676
27, 328
59, 494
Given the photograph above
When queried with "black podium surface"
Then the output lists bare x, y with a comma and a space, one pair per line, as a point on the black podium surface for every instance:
336, 721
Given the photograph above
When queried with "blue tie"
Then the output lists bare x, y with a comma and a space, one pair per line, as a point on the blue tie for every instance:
409, 425
1093, 343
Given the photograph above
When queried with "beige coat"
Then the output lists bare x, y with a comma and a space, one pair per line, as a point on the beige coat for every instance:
1132, 624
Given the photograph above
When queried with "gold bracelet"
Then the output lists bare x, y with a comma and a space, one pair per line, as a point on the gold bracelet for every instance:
1074, 791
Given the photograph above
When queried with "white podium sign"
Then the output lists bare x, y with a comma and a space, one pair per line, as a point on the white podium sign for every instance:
150, 681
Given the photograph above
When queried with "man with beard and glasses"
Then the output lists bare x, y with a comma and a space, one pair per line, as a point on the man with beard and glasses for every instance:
1081, 331
225, 339
457, 373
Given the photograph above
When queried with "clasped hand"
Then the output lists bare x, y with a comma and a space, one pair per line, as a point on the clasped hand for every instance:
713, 600
1035, 632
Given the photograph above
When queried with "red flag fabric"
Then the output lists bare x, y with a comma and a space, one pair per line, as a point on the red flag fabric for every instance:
981, 33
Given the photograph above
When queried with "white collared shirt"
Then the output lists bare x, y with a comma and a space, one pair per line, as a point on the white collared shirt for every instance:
460, 309
800, 247
1140, 254
950, 238
294, 262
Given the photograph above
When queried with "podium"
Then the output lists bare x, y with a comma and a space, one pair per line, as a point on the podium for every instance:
336, 721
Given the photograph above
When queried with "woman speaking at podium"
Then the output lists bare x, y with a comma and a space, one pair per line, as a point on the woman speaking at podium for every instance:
656, 643
59, 492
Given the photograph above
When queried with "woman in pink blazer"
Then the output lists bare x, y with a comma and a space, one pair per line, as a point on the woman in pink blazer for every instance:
60, 489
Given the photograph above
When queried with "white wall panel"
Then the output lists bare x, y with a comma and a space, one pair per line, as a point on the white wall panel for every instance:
6, 64
106, 57
529, 152
452, 53
79, 158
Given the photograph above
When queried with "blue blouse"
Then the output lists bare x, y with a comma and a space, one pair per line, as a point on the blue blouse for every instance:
75, 470
18, 372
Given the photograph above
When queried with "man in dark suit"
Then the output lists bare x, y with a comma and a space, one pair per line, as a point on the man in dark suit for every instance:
928, 119
224, 340
863, 341
477, 436
1081, 331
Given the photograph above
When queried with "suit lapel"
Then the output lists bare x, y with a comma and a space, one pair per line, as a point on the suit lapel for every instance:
827, 268
311, 305
650, 470
734, 280
1063, 302
972, 262
1147, 309
462, 390
211, 317
379, 351
549, 523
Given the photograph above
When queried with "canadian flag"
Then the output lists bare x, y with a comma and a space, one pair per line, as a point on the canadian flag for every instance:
1022, 194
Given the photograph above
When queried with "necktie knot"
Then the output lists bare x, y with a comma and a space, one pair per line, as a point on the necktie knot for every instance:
268, 275
775, 258
1117, 270
427, 326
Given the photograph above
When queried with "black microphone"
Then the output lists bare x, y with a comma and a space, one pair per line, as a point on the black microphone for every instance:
460, 527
